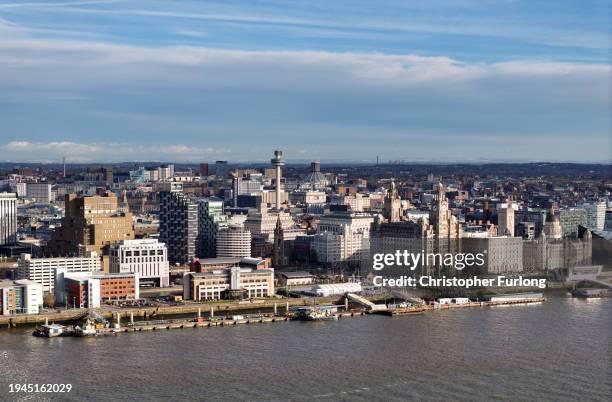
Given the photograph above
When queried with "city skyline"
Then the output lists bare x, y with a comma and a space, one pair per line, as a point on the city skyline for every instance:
114, 81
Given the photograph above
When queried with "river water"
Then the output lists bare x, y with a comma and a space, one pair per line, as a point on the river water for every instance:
558, 350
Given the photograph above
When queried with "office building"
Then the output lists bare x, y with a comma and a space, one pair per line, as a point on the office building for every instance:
502, 254
233, 241
505, 220
229, 283
146, 257
570, 219
42, 270
8, 218
596, 215
210, 220
343, 237
39, 192
20, 297
90, 224
203, 169
91, 289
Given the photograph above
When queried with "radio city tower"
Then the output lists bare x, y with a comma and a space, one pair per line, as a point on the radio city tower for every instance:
277, 162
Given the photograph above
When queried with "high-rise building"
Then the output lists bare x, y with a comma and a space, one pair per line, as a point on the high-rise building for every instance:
505, 220
178, 223
570, 219
221, 169
211, 219
596, 215
343, 237
108, 175
146, 257
8, 218
204, 169
233, 241
39, 192
90, 224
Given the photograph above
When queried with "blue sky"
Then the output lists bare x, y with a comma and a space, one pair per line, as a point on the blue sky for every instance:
332, 80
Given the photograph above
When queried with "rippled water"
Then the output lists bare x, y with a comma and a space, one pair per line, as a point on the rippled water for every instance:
559, 350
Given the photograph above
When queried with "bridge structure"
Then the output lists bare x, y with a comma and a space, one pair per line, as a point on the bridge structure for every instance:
368, 305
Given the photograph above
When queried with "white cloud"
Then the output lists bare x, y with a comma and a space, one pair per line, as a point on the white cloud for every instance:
99, 152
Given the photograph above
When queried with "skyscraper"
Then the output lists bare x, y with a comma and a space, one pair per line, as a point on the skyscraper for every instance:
178, 223
8, 218
210, 220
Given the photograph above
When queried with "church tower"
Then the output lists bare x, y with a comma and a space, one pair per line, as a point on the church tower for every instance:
278, 258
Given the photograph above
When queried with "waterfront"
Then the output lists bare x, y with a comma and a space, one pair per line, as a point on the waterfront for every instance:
551, 351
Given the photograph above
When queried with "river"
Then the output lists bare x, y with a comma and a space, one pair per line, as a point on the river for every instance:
558, 350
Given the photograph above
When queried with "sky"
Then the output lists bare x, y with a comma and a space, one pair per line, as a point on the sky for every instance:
350, 80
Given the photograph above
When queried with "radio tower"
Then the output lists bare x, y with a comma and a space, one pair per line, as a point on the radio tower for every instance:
278, 162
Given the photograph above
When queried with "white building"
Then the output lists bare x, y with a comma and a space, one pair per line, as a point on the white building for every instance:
343, 237
8, 218
596, 215
219, 283
20, 297
147, 257
233, 242
39, 192
43, 270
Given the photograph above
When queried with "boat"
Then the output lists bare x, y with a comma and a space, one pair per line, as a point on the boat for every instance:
88, 329
315, 313
403, 311
49, 330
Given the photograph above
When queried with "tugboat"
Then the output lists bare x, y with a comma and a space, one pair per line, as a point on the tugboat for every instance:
88, 328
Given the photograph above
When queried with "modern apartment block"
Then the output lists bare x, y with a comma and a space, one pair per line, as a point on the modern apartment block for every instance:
146, 257
178, 223
233, 241
229, 283
8, 218
20, 297
43, 270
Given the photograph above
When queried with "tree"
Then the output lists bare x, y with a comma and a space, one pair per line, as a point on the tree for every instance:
49, 300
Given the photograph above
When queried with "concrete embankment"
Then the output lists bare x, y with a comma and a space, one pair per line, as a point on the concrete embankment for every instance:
220, 308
